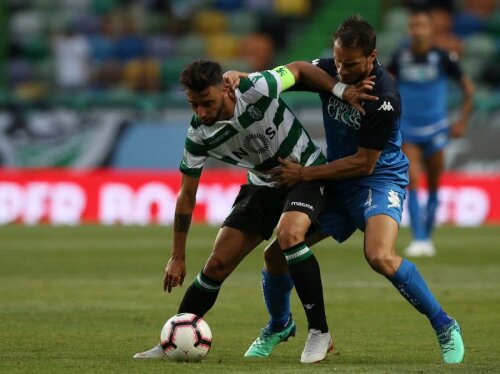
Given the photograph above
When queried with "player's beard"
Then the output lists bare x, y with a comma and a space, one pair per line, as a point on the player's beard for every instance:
218, 115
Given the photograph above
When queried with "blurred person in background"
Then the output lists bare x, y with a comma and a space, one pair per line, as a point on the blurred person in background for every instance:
422, 71
72, 59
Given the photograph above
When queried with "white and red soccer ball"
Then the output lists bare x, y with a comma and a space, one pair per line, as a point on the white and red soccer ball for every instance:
186, 337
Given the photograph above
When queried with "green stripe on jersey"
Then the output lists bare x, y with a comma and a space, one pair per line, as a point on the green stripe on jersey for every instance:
223, 135
254, 112
194, 148
311, 148
245, 85
229, 160
285, 148
190, 172
271, 84
278, 116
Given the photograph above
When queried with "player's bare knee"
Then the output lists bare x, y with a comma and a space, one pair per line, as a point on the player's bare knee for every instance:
217, 268
381, 262
289, 236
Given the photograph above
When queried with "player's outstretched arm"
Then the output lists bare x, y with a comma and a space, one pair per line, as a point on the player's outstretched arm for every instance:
175, 270
317, 79
360, 164
458, 128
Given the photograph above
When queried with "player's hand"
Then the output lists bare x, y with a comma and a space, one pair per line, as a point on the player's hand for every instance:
458, 129
231, 80
356, 94
175, 271
287, 174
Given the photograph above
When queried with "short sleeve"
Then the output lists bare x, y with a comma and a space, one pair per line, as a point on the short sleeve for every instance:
451, 63
194, 155
379, 123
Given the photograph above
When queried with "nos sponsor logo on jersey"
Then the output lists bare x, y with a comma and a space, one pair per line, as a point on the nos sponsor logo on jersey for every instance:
255, 112
256, 143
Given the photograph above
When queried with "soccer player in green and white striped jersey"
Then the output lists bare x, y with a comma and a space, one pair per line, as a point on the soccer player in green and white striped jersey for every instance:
252, 129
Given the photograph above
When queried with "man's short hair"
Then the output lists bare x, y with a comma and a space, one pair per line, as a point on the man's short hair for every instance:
355, 32
201, 74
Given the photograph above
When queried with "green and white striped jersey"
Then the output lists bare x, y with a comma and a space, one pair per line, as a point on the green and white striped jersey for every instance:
262, 129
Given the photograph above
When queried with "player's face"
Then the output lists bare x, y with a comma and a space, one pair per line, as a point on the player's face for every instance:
420, 27
207, 104
352, 64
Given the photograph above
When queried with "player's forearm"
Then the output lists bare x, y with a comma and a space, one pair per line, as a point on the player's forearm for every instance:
312, 76
182, 222
344, 168
467, 98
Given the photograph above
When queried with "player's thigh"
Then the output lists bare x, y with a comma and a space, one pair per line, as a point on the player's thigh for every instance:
335, 220
381, 233
230, 247
435, 166
414, 153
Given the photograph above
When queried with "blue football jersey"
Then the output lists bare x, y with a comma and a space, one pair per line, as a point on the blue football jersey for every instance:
346, 129
423, 84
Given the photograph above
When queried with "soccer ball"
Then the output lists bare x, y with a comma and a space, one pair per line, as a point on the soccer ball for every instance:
186, 337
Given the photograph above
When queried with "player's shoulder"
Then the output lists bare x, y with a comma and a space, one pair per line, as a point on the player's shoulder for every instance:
386, 90
326, 64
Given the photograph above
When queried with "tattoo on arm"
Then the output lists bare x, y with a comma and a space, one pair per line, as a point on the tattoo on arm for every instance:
182, 222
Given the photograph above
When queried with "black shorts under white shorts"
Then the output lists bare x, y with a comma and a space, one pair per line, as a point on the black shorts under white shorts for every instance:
257, 209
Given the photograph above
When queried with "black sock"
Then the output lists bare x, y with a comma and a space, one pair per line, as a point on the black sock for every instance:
305, 273
200, 296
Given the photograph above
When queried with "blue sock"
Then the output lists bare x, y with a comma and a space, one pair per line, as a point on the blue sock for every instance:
412, 286
277, 290
432, 205
417, 224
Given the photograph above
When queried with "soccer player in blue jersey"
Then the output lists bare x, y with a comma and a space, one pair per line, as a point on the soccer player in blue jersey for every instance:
366, 178
422, 72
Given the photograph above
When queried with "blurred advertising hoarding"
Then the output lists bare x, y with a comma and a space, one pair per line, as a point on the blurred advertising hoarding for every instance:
109, 197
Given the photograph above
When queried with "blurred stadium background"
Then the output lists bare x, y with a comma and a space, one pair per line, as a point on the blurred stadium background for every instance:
92, 126
93, 84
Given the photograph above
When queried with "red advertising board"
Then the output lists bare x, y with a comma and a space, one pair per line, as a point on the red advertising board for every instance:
69, 197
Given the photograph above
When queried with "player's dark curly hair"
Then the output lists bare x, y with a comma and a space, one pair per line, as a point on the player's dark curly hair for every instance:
355, 32
201, 74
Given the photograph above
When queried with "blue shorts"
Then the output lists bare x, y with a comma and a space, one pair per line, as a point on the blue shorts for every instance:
430, 139
348, 207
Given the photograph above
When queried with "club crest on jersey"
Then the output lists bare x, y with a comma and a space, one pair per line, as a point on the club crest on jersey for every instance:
393, 198
256, 143
255, 112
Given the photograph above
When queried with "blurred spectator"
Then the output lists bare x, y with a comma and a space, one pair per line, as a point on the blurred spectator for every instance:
72, 59
258, 51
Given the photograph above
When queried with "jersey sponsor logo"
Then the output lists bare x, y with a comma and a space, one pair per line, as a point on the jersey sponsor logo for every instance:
256, 143
393, 198
301, 204
386, 106
255, 112
344, 113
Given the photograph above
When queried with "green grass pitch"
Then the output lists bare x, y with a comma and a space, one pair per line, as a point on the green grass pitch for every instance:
85, 299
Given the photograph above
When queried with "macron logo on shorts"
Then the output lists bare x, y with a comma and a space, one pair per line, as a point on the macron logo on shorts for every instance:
303, 205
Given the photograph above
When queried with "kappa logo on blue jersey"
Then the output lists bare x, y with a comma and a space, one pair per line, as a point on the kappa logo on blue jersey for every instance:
393, 198
386, 106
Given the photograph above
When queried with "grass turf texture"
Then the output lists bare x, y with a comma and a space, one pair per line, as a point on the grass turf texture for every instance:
85, 299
